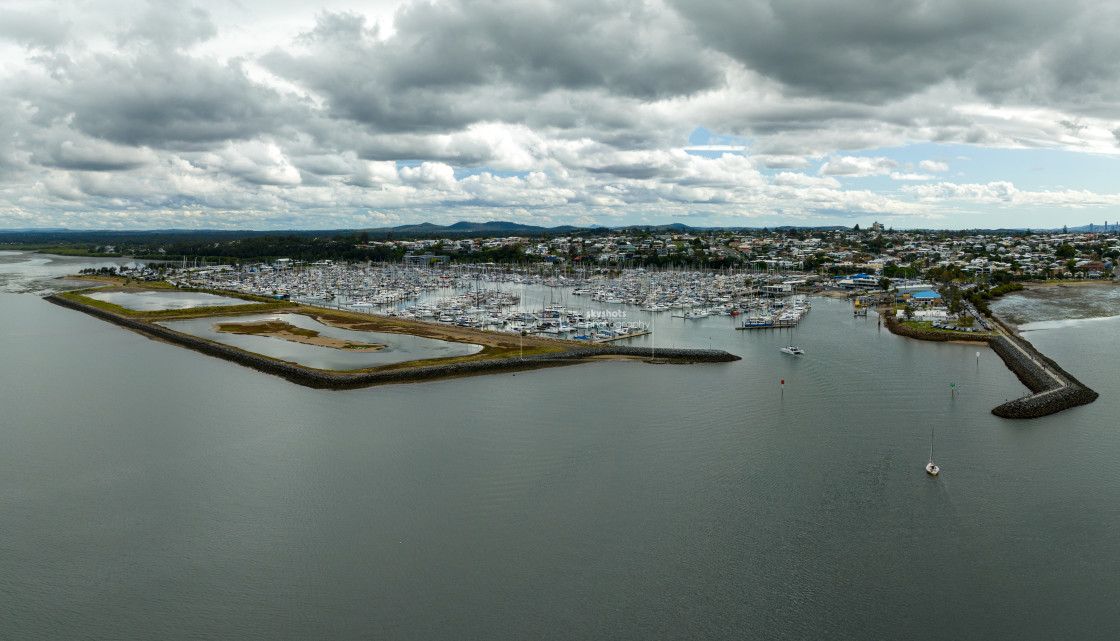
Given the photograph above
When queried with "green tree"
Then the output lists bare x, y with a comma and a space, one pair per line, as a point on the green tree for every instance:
1065, 251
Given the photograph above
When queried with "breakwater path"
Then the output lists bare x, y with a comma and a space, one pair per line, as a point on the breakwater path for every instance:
1053, 389
349, 380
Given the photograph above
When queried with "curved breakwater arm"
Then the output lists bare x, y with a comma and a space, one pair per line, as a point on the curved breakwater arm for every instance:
1053, 388
342, 380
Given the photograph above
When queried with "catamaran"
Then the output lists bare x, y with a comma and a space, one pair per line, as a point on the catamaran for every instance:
792, 349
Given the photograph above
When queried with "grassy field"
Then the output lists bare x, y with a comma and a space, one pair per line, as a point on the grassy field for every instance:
266, 327
928, 326
122, 281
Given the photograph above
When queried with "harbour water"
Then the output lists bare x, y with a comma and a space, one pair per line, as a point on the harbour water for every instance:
152, 492
149, 301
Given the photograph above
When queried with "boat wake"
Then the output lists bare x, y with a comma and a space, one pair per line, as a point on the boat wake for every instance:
1038, 326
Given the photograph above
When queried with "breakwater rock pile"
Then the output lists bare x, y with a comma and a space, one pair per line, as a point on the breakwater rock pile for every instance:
1053, 389
343, 380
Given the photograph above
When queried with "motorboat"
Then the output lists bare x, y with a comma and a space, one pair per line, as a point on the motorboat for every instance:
792, 349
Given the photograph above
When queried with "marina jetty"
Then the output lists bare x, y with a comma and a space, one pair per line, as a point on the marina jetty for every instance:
559, 353
1053, 389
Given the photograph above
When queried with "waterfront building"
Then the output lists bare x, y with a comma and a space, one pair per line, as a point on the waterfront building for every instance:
926, 298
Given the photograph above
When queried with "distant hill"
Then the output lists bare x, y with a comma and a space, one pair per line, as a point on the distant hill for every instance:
817, 228
466, 227
21, 230
678, 227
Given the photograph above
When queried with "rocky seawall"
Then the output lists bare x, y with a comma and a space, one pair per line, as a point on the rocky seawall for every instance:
342, 380
1053, 389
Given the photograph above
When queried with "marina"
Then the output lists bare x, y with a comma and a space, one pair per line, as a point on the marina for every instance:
594, 306
609, 339
494, 310
778, 315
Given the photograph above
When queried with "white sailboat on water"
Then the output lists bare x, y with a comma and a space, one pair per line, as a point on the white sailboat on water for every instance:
931, 467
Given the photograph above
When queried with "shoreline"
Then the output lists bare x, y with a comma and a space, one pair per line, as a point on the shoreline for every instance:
1052, 388
399, 373
1068, 283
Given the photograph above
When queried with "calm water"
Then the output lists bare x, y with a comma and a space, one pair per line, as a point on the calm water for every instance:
398, 347
152, 301
149, 492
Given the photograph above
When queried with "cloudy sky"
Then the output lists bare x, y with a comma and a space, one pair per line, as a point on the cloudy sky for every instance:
290, 114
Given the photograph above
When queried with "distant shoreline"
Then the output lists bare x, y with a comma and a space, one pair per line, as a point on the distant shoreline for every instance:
1068, 283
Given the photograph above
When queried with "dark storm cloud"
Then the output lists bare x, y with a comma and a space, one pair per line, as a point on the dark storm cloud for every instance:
878, 50
450, 64
93, 156
149, 91
543, 45
633, 172
159, 99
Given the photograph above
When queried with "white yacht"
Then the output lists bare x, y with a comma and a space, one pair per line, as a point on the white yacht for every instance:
931, 467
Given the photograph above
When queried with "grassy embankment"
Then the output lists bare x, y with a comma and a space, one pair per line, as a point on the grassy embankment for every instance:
928, 327
256, 304
495, 345
123, 281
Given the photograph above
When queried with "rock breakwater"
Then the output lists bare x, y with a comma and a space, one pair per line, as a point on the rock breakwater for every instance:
343, 380
1053, 389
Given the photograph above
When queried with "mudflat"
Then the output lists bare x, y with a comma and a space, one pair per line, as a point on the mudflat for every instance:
289, 332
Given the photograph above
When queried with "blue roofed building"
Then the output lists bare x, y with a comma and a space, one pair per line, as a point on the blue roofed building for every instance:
926, 298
